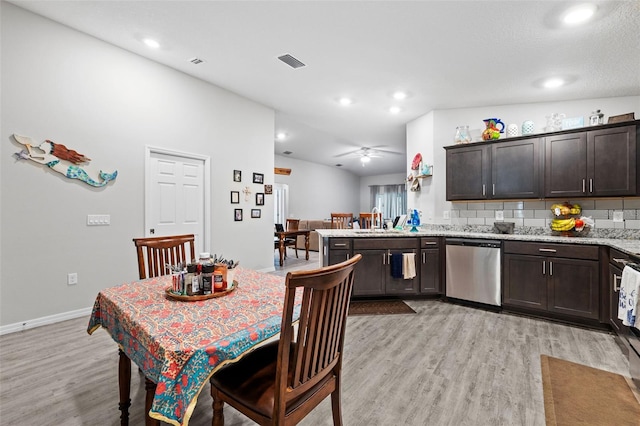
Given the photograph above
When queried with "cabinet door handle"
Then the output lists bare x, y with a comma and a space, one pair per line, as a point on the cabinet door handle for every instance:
621, 261
348, 256
483, 190
550, 269
544, 271
340, 245
616, 279
590, 185
384, 258
494, 188
430, 243
424, 258
583, 186
546, 250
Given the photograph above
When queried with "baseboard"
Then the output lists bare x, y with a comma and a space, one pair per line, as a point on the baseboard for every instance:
266, 270
38, 322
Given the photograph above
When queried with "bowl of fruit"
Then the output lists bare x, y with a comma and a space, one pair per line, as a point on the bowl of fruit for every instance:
568, 222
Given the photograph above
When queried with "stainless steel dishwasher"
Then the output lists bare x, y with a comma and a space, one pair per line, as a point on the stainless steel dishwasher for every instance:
473, 270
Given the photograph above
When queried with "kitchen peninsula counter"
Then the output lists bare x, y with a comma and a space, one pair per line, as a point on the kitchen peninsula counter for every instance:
629, 246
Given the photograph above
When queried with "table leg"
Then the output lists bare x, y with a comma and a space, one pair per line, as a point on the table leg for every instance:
306, 244
150, 387
124, 384
218, 413
281, 250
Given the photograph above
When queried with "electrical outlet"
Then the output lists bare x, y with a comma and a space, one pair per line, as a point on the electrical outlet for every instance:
499, 214
618, 216
72, 278
446, 214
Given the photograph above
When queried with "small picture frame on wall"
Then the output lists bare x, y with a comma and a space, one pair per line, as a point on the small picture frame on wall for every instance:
255, 213
237, 215
259, 199
258, 178
237, 176
235, 197
268, 189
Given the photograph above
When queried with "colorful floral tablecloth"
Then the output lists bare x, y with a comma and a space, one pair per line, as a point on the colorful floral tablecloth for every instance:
180, 344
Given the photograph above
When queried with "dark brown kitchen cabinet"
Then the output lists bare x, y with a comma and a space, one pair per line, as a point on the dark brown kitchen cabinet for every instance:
339, 250
515, 169
468, 172
595, 163
430, 266
561, 279
502, 170
373, 272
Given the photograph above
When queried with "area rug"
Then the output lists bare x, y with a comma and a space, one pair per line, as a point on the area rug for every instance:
575, 394
379, 307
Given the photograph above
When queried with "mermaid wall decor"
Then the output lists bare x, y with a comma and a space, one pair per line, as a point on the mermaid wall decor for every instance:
63, 160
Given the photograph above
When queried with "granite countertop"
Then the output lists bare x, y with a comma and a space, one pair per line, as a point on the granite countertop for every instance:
629, 244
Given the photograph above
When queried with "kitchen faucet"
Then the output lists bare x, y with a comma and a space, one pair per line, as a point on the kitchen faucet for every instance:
373, 217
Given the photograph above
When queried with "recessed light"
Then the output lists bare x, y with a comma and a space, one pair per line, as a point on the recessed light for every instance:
553, 83
399, 95
281, 136
395, 110
151, 43
345, 101
579, 14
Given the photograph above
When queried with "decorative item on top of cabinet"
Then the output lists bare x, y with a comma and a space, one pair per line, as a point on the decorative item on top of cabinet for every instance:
492, 131
462, 134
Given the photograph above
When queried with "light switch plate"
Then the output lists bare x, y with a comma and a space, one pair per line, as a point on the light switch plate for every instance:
618, 216
446, 214
98, 220
499, 214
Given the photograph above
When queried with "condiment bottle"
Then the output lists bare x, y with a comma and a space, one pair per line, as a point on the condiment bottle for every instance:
222, 269
192, 280
207, 277
218, 280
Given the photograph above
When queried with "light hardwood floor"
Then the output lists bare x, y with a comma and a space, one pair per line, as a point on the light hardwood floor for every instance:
445, 365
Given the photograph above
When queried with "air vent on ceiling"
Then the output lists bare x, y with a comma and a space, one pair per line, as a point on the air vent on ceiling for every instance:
287, 153
196, 61
338, 165
291, 61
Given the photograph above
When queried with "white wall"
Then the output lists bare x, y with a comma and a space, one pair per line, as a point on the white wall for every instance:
316, 190
430, 133
108, 103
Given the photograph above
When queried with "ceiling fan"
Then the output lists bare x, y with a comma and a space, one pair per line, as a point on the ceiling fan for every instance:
367, 153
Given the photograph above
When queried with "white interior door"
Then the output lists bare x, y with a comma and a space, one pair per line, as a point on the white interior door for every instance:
176, 196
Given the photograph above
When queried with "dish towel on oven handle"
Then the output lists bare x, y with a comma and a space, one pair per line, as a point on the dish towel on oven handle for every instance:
629, 297
408, 265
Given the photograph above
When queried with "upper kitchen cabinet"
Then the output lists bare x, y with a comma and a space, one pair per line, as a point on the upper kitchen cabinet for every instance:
503, 170
595, 163
589, 162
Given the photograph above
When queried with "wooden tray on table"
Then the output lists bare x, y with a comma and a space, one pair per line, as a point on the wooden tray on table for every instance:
199, 297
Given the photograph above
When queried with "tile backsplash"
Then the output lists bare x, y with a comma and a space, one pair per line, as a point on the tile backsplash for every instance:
537, 213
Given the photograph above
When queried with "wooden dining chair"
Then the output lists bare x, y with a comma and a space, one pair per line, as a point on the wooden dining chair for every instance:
367, 220
294, 225
155, 253
288, 241
341, 220
281, 382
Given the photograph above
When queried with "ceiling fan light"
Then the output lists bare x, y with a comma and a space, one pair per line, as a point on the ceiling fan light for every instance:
365, 159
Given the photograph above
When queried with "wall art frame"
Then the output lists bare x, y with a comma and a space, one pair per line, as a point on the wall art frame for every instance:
256, 213
259, 199
237, 215
258, 178
235, 197
237, 176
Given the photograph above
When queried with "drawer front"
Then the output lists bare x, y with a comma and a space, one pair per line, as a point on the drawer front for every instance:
429, 242
619, 258
340, 243
384, 243
573, 251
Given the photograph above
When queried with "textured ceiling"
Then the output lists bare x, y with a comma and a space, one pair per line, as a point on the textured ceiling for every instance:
446, 54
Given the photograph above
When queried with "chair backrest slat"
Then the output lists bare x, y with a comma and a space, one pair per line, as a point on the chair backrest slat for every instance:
156, 252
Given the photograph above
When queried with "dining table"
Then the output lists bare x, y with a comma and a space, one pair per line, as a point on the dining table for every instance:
283, 235
178, 342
